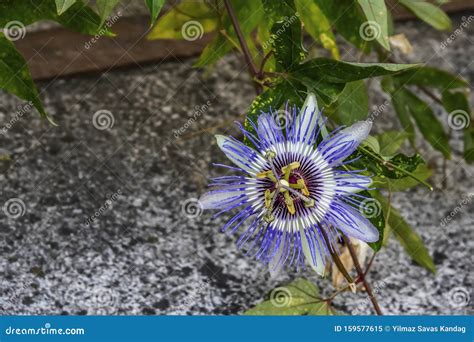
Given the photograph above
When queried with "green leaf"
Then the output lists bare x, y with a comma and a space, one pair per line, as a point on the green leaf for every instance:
353, 103
407, 237
427, 123
187, 20
317, 25
278, 10
429, 13
275, 98
457, 105
455, 100
78, 17
469, 143
347, 17
421, 172
399, 166
15, 76
372, 143
430, 77
330, 70
326, 92
396, 167
63, 5
372, 210
390, 24
407, 163
249, 15
376, 14
400, 107
327, 77
105, 7
214, 51
391, 141
300, 297
154, 6
286, 41
285, 32
404, 116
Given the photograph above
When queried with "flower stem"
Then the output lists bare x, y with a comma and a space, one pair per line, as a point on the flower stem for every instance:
361, 276
245, 49
336, 260
261, 73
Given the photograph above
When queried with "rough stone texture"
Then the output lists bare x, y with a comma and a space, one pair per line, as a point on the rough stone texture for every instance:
148, 252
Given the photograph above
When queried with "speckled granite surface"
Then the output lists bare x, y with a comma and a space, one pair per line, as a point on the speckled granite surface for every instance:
109, 226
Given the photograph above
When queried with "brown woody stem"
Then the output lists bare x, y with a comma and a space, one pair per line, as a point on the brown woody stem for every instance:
245, 49
361, 276
336, 259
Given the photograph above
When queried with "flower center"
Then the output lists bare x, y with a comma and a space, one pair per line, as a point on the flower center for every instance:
288, 184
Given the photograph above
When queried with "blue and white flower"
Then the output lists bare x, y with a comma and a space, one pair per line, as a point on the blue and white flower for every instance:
295, 196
